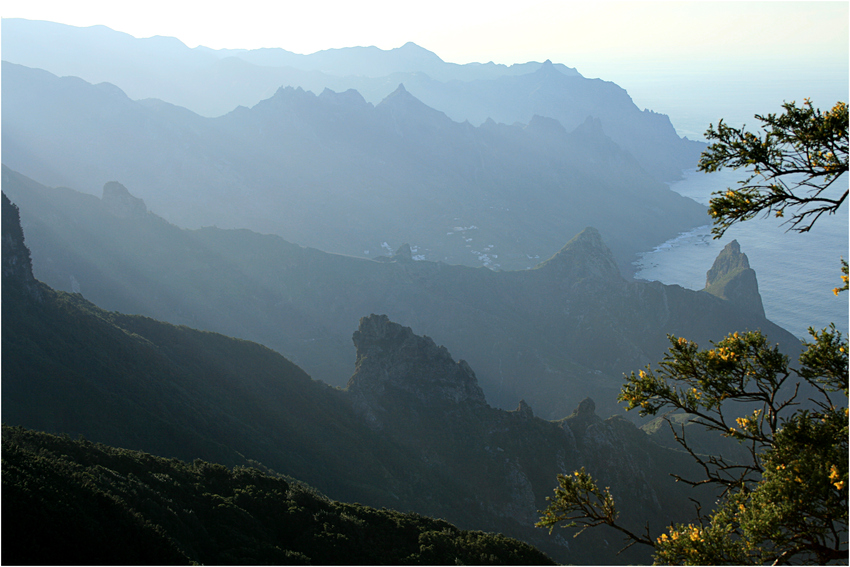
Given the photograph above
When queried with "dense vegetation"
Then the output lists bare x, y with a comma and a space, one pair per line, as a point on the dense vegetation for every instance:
76, 502
786, 501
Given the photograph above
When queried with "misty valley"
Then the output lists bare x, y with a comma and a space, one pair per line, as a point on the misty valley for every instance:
356, 307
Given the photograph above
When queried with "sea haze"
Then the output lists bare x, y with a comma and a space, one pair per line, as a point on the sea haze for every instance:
796, 272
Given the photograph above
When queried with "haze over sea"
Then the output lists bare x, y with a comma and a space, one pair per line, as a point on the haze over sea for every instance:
796, 272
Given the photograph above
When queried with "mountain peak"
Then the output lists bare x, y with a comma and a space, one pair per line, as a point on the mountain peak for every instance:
586, 255
394, 366
120, 202
731, 278
544, 125
17, 263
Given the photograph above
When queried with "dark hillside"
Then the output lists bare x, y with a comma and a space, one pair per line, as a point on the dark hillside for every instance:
412, 431
75, 502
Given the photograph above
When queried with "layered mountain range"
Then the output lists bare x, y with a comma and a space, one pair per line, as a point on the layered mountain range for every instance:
553, 335
334, 172
411, 431
214, 82
223, 264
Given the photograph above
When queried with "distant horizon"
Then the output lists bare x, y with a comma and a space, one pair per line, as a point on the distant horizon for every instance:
697, 62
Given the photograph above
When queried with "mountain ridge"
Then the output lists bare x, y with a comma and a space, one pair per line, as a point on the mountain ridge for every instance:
353, 175
70, 367
551, 336
207, 83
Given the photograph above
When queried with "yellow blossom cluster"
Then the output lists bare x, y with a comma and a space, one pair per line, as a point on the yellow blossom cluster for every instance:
696, 534
837, 290
723, 353
834, 475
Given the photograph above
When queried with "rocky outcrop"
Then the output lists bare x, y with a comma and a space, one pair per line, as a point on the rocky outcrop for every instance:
17, 264
524, 410
584, 257
394, 363
120, 202
403, 254
731, 278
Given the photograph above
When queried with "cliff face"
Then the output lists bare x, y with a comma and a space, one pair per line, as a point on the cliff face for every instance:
731, 278
392, 361
17, 265
503, 464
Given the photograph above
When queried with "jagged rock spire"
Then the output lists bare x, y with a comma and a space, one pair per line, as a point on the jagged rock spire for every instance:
17, 263
394, 364
731, 278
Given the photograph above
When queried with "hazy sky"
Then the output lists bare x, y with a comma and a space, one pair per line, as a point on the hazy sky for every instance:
663, 53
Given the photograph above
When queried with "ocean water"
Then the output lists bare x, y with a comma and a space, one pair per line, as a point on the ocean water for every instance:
796, 272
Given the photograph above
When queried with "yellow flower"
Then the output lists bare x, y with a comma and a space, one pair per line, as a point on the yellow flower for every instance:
835, 290
742, 422
833, 473
779, 214
642, 374
839, 485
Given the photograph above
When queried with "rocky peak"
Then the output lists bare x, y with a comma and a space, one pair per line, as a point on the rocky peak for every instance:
586, 407
524, 410
403, 254
120, 202
583, 417
585, 256
404, 109
17, 264
350, 98
542, 125
547, 68
731, 278
392, 360
730, 259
